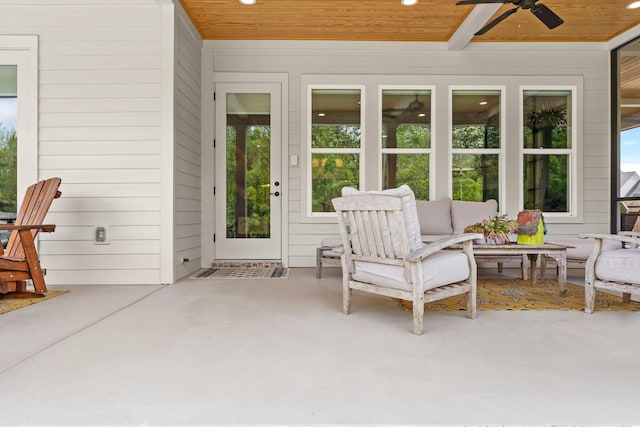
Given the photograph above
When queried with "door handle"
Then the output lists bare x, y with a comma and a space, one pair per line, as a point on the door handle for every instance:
277, 193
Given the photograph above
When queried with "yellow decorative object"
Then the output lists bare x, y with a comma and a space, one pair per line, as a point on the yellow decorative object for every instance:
535, 239
531, 227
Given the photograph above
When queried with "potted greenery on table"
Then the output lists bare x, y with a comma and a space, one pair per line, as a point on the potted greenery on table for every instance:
496, 230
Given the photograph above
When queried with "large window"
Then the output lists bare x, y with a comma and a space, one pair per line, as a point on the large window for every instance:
515, 139
548, 140
476, 144
625, 197
406, 139
335, 143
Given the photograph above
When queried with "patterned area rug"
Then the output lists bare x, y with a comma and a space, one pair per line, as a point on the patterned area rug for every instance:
8, 304
241, 273
518, 294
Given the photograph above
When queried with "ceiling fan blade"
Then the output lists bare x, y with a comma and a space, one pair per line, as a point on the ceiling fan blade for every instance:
546, 15
496, 21
462, 2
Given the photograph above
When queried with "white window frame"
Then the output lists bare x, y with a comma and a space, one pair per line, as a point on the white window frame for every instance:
440, 185
23, 52
573, 152
431, 151
309, 151
499, 151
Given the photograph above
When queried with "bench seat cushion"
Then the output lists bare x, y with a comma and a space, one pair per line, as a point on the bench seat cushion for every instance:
581, 248
621, 265
443, 267
330, 243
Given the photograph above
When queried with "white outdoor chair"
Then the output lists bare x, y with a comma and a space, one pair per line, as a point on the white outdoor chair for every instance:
612, 270
382, 253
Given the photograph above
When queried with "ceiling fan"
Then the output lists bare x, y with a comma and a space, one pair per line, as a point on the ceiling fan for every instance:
542, 12
413, 107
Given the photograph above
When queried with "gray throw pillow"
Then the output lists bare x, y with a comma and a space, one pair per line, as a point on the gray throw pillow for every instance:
464, 214
435, 216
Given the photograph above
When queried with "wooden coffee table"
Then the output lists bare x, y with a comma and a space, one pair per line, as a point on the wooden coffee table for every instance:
529, 255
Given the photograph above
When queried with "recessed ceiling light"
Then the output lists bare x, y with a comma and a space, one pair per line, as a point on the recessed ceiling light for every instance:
248, 1
634, 5
409, 2
321, 114
484, 103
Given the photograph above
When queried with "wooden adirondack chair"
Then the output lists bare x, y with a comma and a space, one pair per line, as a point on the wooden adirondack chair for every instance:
19, 261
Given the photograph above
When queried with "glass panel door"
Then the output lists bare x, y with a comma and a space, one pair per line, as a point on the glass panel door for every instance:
248, 187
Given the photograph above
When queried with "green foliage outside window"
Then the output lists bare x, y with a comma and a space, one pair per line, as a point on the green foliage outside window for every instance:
335, 136
475, 177
412, 169
546, 178
249, 204
332, 171
8, 170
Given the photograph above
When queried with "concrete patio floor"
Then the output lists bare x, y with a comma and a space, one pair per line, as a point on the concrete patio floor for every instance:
280, 351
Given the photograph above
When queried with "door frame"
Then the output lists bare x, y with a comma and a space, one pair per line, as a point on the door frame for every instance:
23, 52
251, 248
210, 79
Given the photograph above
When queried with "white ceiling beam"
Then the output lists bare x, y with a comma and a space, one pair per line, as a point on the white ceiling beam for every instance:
479, 16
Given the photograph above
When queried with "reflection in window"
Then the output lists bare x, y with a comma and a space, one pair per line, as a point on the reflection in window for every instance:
406, 139
476, 144
629, 193
335, 144
626, 150
548, 148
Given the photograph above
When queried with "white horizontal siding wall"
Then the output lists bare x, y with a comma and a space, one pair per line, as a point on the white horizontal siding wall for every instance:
588, 62
188, 153
100, 131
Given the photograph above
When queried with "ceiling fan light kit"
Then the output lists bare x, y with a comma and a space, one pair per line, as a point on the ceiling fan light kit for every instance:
539, 10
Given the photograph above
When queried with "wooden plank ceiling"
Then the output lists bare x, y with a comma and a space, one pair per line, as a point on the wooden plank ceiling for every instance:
388, 20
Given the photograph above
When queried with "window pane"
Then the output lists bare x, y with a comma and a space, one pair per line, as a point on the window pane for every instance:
248, 165
475, 177
545, 182
335, 118
630, 162
331, 172
248, 182
630, 215
8, 146
406, 118
547, 118
476, 119
410, 169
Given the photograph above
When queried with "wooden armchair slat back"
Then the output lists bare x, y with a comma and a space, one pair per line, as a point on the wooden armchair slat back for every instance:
34, 208
374, 229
